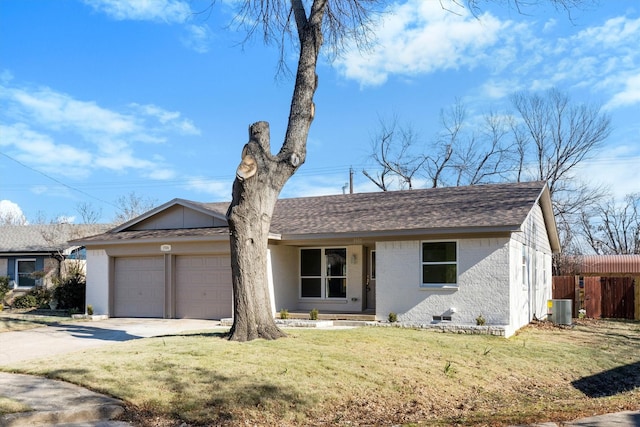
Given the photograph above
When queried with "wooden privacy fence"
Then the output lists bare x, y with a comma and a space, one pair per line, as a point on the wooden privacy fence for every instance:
601, 297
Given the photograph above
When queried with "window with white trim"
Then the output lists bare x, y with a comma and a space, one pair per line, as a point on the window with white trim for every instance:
323, 273
24, 273
439, 264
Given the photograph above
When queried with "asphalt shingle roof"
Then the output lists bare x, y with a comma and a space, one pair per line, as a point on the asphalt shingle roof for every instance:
495, 205
44, 237
478, 207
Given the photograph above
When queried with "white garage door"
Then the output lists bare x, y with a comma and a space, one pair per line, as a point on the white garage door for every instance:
139, 287
203, 287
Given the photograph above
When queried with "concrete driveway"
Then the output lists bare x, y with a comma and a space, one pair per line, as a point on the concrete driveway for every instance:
18, 346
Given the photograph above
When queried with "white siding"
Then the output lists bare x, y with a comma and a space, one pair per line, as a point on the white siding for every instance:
284, 277
483, 283
98, 281
531, 288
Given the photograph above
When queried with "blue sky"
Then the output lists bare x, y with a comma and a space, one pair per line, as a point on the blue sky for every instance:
99, 98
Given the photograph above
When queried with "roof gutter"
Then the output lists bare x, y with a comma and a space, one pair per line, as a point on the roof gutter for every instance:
385, 234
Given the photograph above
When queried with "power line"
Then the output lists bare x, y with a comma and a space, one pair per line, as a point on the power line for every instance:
59, 182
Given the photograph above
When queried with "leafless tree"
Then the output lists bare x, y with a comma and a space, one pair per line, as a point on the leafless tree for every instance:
394, 152
131, 206
487, 156
611, 227
12, 218
560, 135
308, 24
88, 213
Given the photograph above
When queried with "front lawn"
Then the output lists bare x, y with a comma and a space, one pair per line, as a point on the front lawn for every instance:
19, 320
366, 376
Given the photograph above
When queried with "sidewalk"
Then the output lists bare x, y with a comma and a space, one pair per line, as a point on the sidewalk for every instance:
618, 419
56, 403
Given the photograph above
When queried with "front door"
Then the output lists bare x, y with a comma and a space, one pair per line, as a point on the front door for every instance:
371, 281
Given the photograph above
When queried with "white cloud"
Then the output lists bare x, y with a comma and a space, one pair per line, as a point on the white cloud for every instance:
40, 151
215, 189
60, 111
420, 37
37, 121
10, 213
630, 95
603, 58
162, 174
168, 120
168, 11
197, 37
614, 174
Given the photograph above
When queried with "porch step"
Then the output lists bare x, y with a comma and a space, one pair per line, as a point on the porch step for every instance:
359, 317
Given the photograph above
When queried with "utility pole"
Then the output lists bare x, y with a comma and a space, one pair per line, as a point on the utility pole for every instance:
350, 180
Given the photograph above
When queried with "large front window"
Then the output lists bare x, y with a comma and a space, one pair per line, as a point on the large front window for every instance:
323, 273
24, 273
439, 264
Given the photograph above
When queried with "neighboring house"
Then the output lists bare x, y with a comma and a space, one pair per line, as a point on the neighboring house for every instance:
433, 256
33, 254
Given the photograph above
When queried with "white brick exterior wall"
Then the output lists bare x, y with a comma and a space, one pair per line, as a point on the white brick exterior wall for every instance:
482, 283
531, 285
491, 280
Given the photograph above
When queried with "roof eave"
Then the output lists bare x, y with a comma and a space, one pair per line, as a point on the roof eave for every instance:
386, 234
544, 199
169, 239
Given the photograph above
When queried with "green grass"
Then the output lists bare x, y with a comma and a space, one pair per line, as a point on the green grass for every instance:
10, 406
364, 376
19, 320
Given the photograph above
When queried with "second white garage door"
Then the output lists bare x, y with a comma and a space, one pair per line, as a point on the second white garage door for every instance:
203, 287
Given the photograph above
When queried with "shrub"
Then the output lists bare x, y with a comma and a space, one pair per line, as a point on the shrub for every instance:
37, 296
313, 314
480, 320
25, 301
393, 317
4, 288
70, 290
90, 310
284, 313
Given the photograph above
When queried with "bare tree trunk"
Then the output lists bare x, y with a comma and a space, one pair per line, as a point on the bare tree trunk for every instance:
259, 180
255, 192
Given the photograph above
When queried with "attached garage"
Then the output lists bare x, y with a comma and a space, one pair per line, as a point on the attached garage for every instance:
203, 287
172, 262
138, 287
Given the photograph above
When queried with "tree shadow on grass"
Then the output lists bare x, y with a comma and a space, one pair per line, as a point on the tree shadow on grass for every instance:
609, 383
218, 398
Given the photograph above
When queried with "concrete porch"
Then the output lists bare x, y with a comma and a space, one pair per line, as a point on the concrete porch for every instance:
364, 316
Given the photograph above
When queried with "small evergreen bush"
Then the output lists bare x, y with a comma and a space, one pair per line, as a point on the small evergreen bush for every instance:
284, 313
25, 301
313, 314
393, 317
4, 289
37, 297
70, 290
